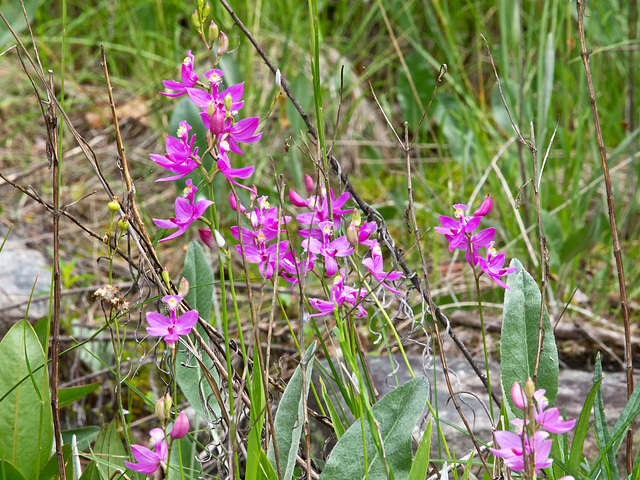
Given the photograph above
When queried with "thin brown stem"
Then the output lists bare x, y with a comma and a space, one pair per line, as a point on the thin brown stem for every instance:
617, 253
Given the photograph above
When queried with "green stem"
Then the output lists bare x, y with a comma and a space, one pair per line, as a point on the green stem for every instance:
484, 343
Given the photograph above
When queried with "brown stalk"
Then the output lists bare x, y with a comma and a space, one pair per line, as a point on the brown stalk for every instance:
617, 253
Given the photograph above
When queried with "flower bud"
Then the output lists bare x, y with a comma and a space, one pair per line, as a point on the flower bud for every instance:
356, 218
114, 205
180, 426
163, 406
165, 276
219, 238
183, 290
228, 102
296, 199
352, 234
278, 79
207, 237
518, 396
214, 31
529, 388
216, 121
223, 44
485, 207
206, 10
254, 195
308, 183
195, 18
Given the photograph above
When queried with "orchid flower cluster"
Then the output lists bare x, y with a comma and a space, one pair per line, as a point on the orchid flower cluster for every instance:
150, 459
321, 245
528, 450
459, 232
224, 133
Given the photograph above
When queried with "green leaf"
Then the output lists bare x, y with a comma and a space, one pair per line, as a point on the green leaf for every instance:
601, 427
577, 446
519, 340
25, 410
397, 413
186, 449
9, 472
338, 428
66, 396
198, 272
51, 468
109, 451
289, 418
92, 472
256, 420
421, 461
84, 436
14, 15
266, 469
42, 331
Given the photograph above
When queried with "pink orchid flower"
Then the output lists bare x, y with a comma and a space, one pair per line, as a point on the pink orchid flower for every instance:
173, 326
187, 212
150, 460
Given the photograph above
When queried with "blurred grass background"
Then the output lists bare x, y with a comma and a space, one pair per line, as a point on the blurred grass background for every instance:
398, 46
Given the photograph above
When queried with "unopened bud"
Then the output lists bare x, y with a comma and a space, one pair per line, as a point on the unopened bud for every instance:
207, 237
216, 121
183, 290
165, 276
180, 426
228, 102
114, 205
356, 218
219, 238
308, 184
485, 207
278, 79
518, 396
223, 44
352, 234
163, 406
200, 4
195, 18
214, 31
206, 10
296, 199
529, 388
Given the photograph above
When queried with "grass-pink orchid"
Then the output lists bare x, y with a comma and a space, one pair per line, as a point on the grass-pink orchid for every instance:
189, 79
187, 212
375, 265
171, 327
150, 460
493, 265
181, 157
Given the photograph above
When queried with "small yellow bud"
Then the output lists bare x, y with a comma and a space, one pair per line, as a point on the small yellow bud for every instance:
206, 10
114, 205
123, 223
529, 388
195, 18
183, 291
165, 276
214, 31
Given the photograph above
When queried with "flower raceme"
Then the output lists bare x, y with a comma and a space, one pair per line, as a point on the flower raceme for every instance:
532, 433
459, 232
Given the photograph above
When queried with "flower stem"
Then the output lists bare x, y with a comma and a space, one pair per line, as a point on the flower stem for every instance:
484, 343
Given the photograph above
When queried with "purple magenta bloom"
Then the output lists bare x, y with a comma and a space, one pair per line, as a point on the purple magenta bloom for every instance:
230, 173
549, 419
173, 326
376, 267
180, 426
365, 232
511, 449
340, 247
149, 460
187, 212
181, 157
485, 207
265, 257
189, 79
340, 294
493, 265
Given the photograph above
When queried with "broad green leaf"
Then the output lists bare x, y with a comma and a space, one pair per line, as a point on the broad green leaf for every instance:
51, 468
66, 396
25, 412
421, 461
9, 472
338, 428
256, 420
397, 414
42, 331
197, 270
266, 469
184, 449
92, 472
630, 411
84, 436
109, 451
601, 427
289, 418
577, 446
519, 340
